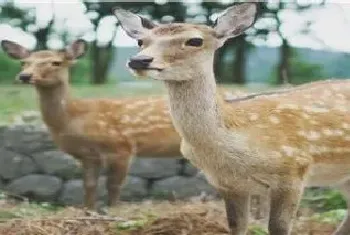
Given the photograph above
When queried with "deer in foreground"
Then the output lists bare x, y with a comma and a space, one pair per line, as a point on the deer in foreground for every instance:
98, 132
281, 142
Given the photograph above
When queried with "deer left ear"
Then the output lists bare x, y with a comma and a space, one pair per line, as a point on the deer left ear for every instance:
76, 50
134, 25
235, 20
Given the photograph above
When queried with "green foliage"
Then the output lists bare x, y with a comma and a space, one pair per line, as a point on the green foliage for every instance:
257, 230
8, 68
332, 217
301, 71
323, 200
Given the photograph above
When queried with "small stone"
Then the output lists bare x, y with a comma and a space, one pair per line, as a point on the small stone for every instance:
14, 165
154, 168
27, 139
189, 170
38, 187
181, 187
57, 163
134, 188
73, 192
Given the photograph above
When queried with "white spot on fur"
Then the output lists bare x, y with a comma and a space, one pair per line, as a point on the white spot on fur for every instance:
305, 115
287, 106
346, 126
274, 119
341, 108
314, 109
288, 150
311, 135
253, 116
125, 119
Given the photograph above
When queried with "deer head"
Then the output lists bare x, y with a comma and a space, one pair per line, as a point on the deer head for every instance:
170, 51
44, 68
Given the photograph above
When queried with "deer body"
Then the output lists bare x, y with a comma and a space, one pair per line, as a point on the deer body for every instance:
281, 142
98, 132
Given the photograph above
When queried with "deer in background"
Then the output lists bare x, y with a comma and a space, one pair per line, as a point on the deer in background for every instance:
98, 132
278, 142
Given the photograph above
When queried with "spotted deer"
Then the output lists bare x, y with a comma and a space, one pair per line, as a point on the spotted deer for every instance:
279, 142
98, 132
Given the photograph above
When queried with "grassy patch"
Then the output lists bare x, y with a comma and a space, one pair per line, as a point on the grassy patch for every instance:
15, 99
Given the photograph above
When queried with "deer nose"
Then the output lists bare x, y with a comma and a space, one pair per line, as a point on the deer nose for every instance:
25, 77
140, 62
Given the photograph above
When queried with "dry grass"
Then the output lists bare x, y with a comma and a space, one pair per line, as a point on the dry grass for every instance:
147, 218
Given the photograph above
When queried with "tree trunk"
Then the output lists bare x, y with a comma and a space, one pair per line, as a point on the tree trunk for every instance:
239, 65
284, 66
42, 35
101, 57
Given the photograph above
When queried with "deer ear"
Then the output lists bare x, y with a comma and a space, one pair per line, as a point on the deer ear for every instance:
76, 50
235, 20
134, 25
14, 50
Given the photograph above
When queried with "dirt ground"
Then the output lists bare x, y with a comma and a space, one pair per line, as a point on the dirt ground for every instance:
146, 218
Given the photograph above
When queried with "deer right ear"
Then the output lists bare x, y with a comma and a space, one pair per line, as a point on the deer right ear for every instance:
14, 50
76, 50
235, 20
134, 25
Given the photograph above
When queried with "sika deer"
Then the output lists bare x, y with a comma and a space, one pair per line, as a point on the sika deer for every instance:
281, 142
98, 131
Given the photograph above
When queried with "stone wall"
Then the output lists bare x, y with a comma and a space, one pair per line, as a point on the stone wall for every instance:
32, 166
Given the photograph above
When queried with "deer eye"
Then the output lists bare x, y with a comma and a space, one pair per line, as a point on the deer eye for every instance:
140, 43
56, 63
194, 42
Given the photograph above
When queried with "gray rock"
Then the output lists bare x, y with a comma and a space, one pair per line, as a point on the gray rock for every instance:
57, 163
73, 192
189, 170
155, 168
181, 187
40, 187
27, 139
134, 188
13, 165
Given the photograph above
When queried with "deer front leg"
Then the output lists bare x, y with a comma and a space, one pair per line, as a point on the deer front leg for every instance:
116, 172
237, 211
91, 169
344, 228
283, 207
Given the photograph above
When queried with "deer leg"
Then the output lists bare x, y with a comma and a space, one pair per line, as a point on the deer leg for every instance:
237, 211
116, 174
344, 228
283, 207
91, 169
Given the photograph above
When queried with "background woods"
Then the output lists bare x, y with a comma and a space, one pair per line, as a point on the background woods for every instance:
234, 62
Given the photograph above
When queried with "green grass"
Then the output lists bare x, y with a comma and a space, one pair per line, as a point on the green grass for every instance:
15, 99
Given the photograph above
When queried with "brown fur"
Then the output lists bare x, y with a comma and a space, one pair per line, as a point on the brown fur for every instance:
280, 142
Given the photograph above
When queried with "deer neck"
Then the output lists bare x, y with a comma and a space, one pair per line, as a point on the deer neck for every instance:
194, 107
53, 101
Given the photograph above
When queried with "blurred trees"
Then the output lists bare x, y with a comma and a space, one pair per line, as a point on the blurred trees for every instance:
26, 20
272, 11
230, 60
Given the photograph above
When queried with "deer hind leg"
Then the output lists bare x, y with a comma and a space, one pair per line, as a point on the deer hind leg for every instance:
283, 207
91, 170
237, 211
117, 170
344, 228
